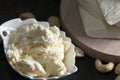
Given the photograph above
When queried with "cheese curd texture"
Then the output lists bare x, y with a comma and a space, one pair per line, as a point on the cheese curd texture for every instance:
38, 51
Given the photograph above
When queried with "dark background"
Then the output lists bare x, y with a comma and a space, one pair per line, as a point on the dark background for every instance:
42, 9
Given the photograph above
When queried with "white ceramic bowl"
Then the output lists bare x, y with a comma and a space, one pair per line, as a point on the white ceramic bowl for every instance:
13, 24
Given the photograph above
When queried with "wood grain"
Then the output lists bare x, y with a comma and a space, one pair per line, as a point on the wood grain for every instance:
104, 49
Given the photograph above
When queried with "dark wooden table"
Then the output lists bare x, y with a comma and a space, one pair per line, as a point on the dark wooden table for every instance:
42, 9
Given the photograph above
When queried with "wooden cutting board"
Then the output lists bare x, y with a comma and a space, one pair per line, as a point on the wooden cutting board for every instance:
104, 49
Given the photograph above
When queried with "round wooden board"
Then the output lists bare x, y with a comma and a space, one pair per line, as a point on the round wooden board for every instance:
104, 49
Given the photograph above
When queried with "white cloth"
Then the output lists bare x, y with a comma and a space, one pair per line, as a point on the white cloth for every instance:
110, 10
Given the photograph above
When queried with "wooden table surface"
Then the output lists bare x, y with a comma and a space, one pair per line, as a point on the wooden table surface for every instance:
42, 9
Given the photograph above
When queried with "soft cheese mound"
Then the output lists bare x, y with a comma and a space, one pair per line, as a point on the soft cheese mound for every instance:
38, 51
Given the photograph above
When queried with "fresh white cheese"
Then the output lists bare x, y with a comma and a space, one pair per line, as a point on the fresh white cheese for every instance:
36, 50
110, 10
